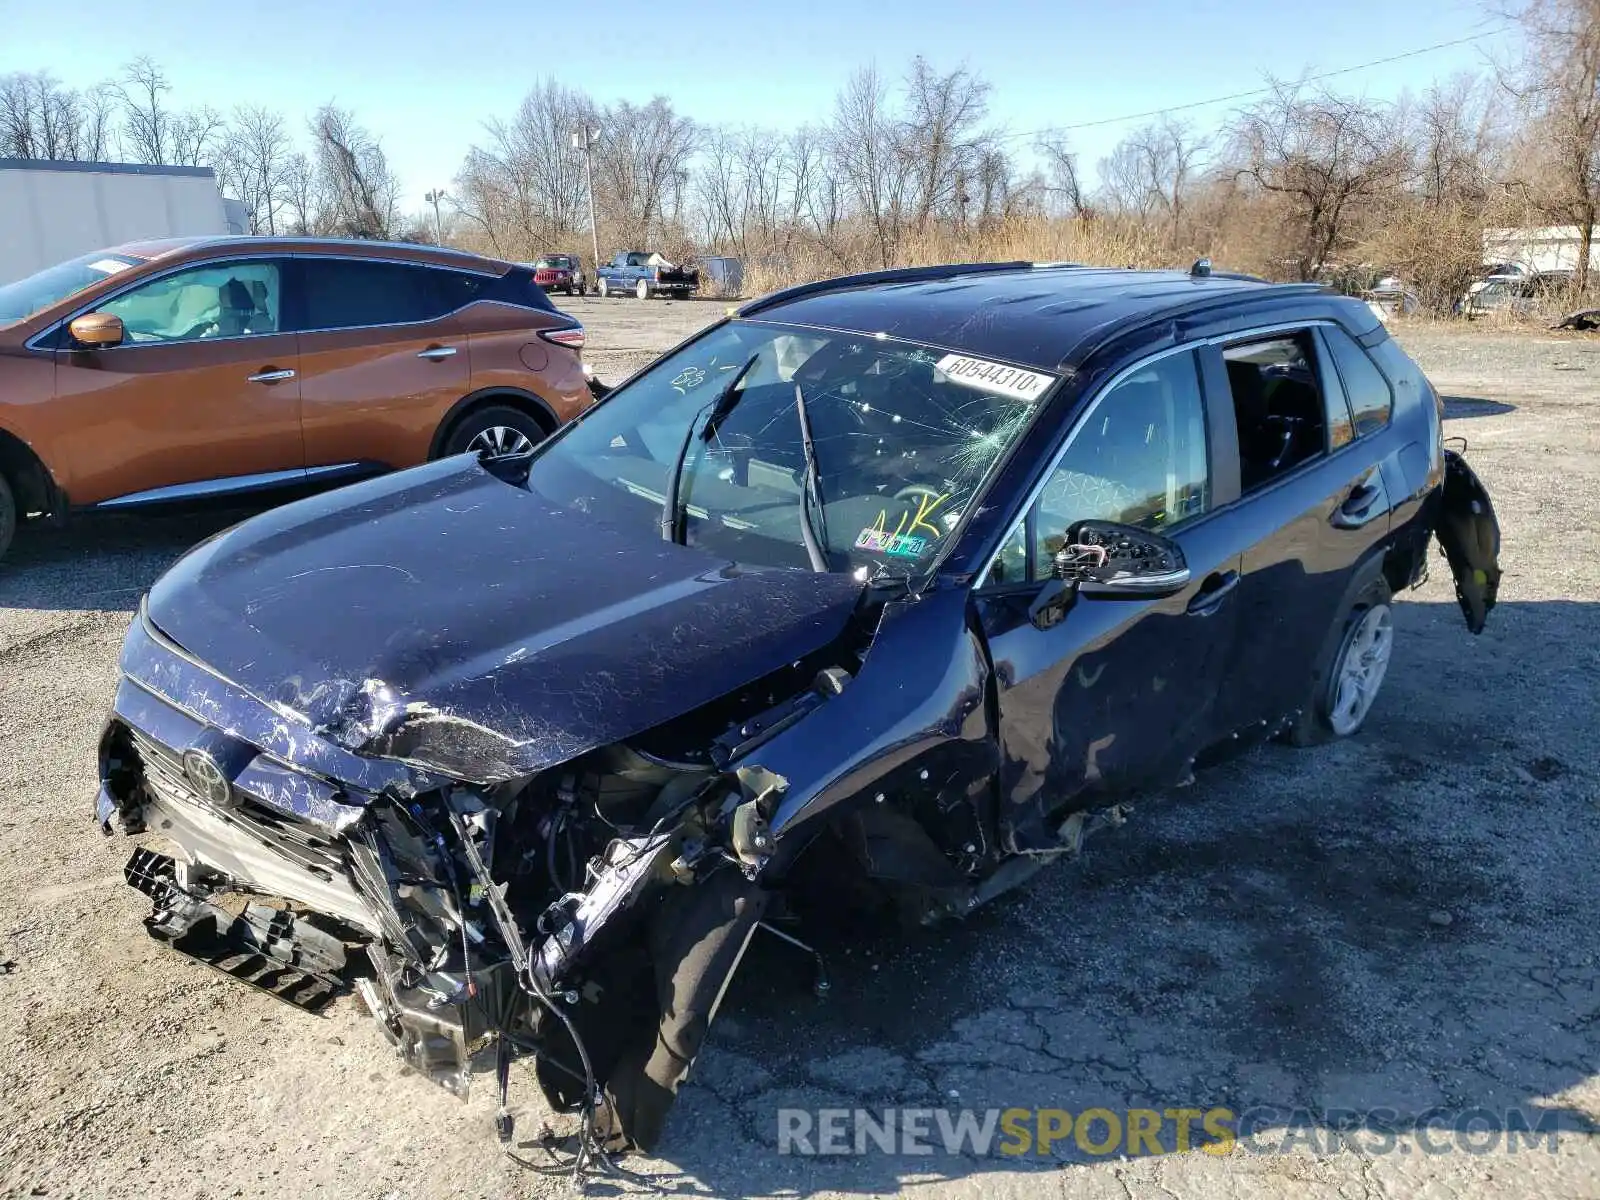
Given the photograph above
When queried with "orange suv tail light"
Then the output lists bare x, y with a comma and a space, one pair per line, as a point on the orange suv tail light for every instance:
572, 338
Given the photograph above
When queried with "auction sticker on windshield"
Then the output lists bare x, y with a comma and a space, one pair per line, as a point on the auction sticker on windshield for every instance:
994, 377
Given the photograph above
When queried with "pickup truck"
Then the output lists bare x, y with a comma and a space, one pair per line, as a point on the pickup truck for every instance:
645, 274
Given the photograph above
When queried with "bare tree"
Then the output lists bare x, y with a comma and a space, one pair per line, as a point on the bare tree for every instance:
941, 134
1062, 182
302, 197
253, 162
98, 122
1454, 141
356, 182
865, 148
147, 122
41, 118
1150, 172
641, 161
524, 189
1558, 82
1320, 155
195, 136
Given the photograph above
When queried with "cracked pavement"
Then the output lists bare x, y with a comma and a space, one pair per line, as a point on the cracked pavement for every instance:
1405, 921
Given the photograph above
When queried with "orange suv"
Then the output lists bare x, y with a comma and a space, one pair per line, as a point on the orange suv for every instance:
175, 370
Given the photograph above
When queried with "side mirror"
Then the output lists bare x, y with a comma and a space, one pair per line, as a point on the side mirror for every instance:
97, 331
1108, 561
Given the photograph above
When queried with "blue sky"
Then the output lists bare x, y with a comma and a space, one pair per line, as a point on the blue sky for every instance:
424, 75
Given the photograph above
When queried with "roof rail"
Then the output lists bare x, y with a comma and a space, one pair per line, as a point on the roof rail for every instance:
1197, 305
869, 278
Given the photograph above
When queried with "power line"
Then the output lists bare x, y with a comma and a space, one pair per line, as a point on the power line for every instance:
1161, 112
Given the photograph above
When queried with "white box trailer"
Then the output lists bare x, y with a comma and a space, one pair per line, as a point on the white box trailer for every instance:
52, 211
1539, 250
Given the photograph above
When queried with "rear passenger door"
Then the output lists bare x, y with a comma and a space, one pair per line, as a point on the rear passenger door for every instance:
1313, 507
382, 358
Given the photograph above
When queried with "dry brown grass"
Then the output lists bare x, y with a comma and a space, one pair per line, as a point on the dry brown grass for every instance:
1030, 238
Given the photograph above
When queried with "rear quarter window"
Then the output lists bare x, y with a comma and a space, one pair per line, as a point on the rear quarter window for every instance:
1371, 398
352, 294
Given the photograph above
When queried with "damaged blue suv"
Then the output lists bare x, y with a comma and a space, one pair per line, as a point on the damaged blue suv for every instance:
886, 589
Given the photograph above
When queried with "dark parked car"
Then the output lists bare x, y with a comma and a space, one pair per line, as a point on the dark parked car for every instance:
856, 598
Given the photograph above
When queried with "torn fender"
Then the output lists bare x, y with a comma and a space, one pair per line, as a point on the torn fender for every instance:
1469, 534
917, 705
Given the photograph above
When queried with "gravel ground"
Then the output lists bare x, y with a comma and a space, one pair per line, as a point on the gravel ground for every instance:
1404, 921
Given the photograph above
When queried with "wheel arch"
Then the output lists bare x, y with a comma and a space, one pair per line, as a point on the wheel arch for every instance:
526, 401
32, 483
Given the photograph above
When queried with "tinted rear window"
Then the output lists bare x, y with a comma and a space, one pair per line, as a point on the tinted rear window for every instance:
349, 293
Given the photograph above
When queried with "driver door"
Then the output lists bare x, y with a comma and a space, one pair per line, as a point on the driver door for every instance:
203, 390
1114, 694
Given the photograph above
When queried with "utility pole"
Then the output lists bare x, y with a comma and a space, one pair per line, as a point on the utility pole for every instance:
584, 140
433, 198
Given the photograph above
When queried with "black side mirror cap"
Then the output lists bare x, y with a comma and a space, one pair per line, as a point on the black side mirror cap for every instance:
1108, 560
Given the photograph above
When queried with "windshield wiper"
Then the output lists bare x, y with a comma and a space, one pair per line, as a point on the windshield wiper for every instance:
813, 522
672, 523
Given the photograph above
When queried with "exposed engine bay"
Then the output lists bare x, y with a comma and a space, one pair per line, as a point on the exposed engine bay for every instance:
590, 915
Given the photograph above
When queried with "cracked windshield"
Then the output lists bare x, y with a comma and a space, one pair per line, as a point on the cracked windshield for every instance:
796, 447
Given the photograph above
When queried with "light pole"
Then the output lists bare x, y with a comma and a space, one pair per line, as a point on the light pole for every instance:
433, 198
584, 140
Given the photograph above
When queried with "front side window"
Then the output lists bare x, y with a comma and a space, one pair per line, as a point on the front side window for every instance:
351, 293
1278, 406
905, 438
1138, 458
218, 300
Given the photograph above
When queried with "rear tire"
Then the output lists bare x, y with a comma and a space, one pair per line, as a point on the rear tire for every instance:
1350, 671
642, 290
8, 515
498, 429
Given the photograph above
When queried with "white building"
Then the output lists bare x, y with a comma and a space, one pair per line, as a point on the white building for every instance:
1539, 249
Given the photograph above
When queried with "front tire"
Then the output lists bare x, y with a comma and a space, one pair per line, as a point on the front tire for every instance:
1351, 671
8, 515
602, 290
498, 430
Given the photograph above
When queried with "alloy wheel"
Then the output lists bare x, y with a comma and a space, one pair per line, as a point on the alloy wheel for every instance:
1362, 666
499, 441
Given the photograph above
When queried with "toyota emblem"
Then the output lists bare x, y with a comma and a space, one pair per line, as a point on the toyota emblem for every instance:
205, 773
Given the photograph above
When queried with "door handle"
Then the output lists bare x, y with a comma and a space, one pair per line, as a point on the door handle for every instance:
1212, 593
1356, 510
270, 375
435, 353
1359, 500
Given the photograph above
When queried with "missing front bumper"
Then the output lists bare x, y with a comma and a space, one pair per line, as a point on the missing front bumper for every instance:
270, 949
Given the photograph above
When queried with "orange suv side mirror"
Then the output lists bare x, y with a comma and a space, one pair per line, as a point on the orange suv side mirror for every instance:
97, 331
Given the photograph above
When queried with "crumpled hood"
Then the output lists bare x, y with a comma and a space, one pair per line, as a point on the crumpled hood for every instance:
443, 616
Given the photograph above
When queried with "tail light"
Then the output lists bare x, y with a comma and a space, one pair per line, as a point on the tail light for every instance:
571, 337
